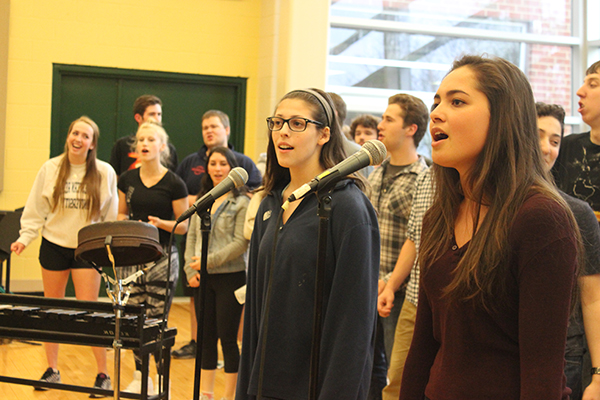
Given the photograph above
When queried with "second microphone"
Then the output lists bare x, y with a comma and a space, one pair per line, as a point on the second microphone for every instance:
237, 177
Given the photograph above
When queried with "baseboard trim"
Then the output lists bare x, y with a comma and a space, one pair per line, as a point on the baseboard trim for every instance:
28, 286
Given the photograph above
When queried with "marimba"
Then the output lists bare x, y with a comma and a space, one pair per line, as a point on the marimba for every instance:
115, 243
85, 323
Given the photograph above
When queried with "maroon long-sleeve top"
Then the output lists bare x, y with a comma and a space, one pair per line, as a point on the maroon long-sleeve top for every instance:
461, 351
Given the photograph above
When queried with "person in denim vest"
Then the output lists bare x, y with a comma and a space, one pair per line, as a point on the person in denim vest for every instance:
226, 266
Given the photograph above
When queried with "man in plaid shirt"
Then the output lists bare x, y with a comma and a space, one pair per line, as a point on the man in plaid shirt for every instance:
407, 263
403, 125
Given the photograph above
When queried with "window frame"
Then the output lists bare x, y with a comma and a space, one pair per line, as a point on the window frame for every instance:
374, 100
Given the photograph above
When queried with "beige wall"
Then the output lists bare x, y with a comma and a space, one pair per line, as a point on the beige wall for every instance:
4, 16
278, 45
292, 53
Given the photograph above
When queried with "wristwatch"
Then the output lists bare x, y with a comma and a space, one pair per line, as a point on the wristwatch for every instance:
595, 371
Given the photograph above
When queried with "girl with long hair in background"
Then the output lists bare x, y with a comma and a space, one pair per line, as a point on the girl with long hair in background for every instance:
70, 191
226, 266
153, 194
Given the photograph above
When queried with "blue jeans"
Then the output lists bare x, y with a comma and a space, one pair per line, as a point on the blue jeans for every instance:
384, 341
574, 353
380, 365
574, 379
389, 324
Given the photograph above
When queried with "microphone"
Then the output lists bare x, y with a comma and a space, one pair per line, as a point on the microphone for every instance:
372, 152
237, 177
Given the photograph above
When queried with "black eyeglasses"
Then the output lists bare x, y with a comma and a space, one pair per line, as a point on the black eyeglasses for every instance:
296, 124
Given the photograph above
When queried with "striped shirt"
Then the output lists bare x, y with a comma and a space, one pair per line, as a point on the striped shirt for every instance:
392, 198
422, 200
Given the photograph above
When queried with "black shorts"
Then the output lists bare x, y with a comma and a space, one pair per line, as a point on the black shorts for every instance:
57, 258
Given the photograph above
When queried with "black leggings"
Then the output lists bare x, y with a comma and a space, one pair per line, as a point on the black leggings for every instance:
222, 314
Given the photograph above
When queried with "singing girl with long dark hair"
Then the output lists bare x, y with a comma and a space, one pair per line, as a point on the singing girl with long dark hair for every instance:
499, 250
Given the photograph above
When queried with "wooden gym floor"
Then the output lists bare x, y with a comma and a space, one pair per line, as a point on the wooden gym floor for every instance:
78, 367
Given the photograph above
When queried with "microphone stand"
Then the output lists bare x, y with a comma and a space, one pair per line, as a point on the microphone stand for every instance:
324, 213
200, 298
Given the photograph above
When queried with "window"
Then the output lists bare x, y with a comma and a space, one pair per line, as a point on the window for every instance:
382, 47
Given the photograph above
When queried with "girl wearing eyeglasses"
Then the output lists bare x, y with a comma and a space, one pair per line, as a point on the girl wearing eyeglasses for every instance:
305, 140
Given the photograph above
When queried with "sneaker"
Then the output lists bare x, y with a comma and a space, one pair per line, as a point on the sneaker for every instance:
136, 385
186, 351
102, 382
50, 375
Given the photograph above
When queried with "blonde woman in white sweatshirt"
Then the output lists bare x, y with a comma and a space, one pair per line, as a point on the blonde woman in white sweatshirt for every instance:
70, 191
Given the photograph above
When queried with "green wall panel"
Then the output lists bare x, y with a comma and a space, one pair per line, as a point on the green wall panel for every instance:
107, 94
